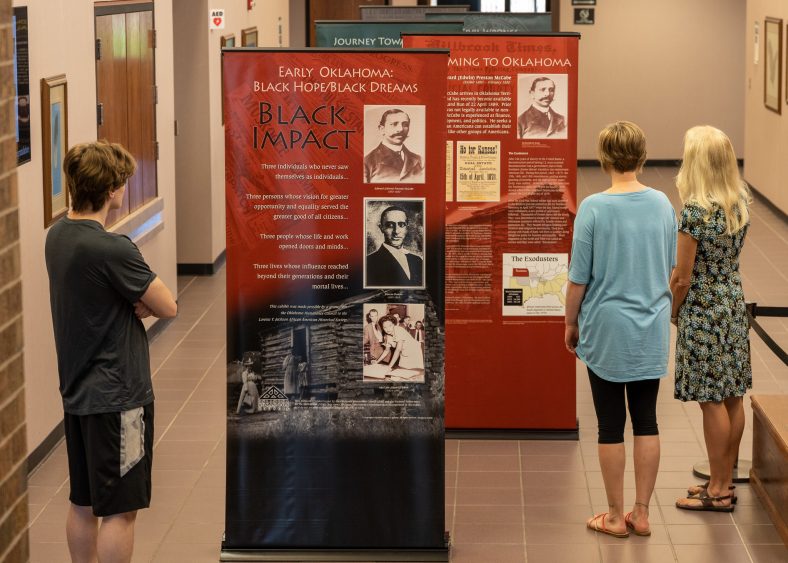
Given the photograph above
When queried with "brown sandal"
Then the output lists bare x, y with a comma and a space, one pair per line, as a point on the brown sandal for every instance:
593, 525
704, 486
707, 503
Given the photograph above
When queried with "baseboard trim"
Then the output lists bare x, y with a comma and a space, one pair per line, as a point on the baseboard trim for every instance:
202, 269
768, 203
157, 328
513, 433
45, 448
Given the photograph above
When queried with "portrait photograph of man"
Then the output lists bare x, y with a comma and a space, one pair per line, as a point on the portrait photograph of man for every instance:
394, 254
394, 140
542, 102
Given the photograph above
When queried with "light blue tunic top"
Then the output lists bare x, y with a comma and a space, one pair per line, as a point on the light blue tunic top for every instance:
623, 250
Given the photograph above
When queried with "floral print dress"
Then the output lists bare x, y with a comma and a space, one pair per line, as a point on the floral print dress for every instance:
713, 346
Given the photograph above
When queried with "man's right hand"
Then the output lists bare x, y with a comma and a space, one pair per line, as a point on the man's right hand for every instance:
142, 311
158, 300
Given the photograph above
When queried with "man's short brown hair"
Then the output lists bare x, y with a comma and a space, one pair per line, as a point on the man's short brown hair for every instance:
93, 170
622, 147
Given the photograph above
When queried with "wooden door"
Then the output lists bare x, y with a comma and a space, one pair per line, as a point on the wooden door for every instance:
112, 91
334, 10
126, 92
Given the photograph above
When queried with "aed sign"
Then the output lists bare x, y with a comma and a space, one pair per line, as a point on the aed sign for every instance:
216, 19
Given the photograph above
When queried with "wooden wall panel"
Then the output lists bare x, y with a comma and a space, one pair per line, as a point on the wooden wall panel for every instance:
334, 10
125, 84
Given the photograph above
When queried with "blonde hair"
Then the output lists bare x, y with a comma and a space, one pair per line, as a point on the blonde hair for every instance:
94, 169
709, 175
622, 147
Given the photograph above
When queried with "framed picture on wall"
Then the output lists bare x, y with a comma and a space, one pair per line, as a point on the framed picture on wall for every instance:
19, 24
54, 141
772, 64
249, 37
584, 16
786, 72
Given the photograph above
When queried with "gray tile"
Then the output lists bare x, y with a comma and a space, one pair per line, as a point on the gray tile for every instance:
568, 553
495, 533
711, 553
751, 514
535, 496
768, 553
477, 496
559, 534
629, 552
695, 534
474, 553
759, 534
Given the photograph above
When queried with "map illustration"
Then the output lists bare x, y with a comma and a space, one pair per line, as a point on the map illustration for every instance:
534, 285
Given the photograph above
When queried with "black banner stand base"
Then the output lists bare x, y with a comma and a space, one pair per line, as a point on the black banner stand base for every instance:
741, 471
328, 555
513, 433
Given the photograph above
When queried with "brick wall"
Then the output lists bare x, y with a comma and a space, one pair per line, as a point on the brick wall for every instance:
13, 467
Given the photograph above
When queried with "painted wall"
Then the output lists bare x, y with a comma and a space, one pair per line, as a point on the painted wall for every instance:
765, 132
61, 39
200, 140
665, 65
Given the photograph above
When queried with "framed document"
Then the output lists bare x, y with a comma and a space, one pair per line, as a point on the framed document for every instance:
773, 62
584, 16
249, 37
54, 140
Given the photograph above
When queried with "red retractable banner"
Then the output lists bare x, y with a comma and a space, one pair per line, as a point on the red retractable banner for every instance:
511, 199
335, 254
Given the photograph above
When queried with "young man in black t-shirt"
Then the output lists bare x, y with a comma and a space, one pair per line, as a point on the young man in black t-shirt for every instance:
100, 289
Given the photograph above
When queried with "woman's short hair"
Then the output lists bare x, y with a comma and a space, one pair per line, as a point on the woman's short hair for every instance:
622, 147
93, 170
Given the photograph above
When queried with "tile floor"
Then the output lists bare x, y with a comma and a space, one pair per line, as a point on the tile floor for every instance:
506, 501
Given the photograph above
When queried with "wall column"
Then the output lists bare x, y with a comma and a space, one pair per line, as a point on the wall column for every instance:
13, 447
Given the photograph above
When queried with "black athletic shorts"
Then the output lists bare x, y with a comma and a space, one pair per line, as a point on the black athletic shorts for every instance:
109, 460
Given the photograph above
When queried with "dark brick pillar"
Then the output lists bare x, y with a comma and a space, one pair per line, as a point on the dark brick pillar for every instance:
13, 448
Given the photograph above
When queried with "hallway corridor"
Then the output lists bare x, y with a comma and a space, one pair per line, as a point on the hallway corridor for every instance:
506, 501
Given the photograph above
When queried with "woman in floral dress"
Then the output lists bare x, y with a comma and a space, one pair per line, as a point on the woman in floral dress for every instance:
712, 347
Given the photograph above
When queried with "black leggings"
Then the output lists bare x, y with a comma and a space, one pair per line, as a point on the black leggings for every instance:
611, 412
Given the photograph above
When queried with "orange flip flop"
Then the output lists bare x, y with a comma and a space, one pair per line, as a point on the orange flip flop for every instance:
631, 526
594, 525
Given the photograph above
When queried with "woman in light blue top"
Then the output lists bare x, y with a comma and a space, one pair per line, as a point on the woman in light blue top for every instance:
618, 317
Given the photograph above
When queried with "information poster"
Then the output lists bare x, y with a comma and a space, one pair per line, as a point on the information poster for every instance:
21, 84
511, 201
409, 13
503, 22
335, 177
375, 34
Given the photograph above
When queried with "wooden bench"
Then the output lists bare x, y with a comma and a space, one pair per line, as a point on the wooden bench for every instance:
769, 474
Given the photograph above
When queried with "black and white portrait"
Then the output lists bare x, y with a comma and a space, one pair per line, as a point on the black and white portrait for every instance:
394, 141
542, 102
394, 335
394, 250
